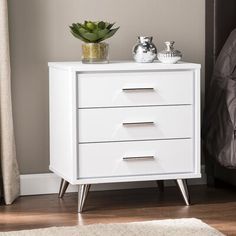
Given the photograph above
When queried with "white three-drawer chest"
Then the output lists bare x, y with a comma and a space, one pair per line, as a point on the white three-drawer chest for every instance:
124, 122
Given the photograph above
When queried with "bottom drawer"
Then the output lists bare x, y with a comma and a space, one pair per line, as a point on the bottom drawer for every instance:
135, 158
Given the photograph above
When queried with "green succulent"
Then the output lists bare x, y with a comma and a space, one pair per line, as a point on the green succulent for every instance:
93, 31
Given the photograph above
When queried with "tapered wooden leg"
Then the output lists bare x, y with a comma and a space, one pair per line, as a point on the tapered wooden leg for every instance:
183, 187
63, 187
160, 184
82, 195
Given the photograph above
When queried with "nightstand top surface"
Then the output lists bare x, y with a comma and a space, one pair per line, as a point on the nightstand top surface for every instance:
123, 66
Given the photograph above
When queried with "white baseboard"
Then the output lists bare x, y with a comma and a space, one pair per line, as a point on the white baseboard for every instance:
48, 183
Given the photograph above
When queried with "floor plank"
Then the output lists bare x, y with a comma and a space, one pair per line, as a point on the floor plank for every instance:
216, 207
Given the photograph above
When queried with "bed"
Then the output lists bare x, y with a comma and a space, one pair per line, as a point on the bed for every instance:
220, 21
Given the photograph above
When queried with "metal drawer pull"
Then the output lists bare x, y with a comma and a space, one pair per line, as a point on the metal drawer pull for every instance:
139, 123
137, 89
137, 158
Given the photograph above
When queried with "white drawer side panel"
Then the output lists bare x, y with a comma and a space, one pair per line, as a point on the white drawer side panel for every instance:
63, 111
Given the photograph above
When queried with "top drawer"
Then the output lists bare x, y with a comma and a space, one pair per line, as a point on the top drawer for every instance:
135, 88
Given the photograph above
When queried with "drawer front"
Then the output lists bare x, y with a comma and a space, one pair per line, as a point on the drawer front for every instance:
135, 123
135, 89
135, 158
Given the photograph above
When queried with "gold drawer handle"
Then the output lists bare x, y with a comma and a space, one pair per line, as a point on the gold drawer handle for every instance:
132, 158
139, 123
137, 89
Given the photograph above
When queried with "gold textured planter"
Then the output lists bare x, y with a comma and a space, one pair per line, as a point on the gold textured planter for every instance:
95, 52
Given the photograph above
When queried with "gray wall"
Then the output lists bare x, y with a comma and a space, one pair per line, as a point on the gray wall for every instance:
39, 33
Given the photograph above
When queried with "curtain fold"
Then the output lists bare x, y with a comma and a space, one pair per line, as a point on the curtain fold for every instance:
9, 172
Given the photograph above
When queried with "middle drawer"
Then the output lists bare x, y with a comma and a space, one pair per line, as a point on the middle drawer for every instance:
135, 123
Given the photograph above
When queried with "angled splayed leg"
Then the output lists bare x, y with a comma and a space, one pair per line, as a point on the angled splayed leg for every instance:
183, 187
63, 187
82, 195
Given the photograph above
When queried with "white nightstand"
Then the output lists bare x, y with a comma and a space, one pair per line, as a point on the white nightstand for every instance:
124, 122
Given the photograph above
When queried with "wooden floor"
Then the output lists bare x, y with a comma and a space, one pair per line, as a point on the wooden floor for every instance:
216, 207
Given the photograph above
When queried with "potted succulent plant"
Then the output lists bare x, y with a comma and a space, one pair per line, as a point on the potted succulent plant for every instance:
92, 34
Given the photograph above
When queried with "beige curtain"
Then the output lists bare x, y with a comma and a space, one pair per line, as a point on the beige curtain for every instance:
9, 173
